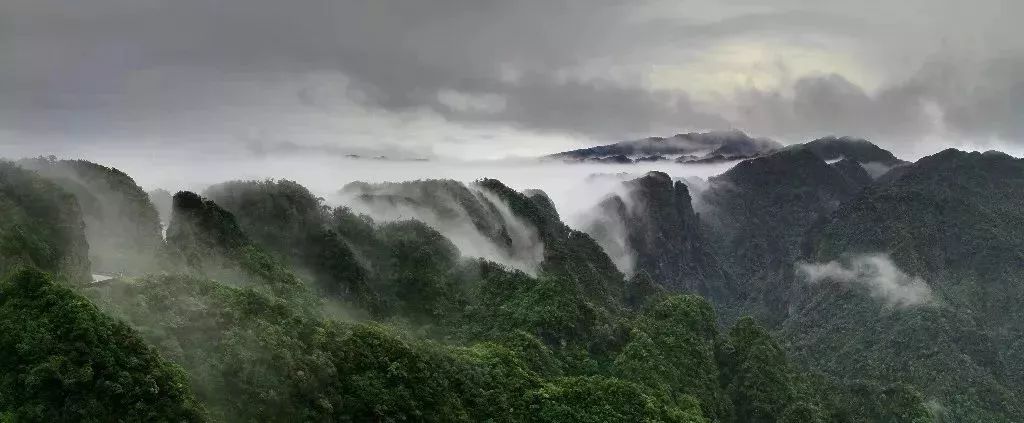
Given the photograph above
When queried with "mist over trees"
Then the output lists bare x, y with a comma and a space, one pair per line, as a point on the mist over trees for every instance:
264, 303
42, 226
122, 226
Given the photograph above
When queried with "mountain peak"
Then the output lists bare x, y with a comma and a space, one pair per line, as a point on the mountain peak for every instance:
796, 164
859, 149
654, 231
659, 175
727, 144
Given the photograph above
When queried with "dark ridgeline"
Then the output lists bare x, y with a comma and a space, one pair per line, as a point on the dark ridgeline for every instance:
707, 147
856, 149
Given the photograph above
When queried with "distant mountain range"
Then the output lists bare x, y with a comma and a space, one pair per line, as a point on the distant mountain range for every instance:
723, 146
683, 148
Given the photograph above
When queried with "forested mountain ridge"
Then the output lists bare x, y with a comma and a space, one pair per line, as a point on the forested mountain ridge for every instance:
64, 360
270, 305
42, 226
756, 214
904, 278
122, 226
577, 342
953, 221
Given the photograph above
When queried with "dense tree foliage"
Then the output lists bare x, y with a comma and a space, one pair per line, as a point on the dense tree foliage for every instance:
517, 347
854, 172
252, 357
121, 224
568, 253
294, 225
952, 219
63, 360
205, 239
40, 226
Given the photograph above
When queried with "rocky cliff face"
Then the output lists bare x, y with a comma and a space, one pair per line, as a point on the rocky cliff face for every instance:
659, 229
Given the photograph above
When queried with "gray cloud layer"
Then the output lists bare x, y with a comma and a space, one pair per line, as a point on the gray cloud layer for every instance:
76, 69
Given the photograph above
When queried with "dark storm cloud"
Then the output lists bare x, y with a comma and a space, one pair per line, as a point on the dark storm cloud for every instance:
593, 107
984, 100
83, 56
177, 66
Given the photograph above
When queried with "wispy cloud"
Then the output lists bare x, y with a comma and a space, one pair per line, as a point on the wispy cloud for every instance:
885, 280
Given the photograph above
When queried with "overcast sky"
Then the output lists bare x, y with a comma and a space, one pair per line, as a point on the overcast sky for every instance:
489, 78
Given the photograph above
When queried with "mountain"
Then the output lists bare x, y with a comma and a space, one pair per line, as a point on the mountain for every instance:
64, 360
472, 217
294, 225
707, 145
854, 172
756, 214
252, 315
40, 226
567, 252
655, 227
121, 224
517, 347
204, 239
861, 150
946, 239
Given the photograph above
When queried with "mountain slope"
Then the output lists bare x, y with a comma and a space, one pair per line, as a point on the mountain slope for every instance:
453, 338
205, 239
473, 218
293, 224
121, 224
756, 215
40, 226
656, 226
567, 252
952, 221
63, 360
854, 172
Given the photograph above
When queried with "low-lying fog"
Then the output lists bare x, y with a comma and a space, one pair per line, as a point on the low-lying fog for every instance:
570, 186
